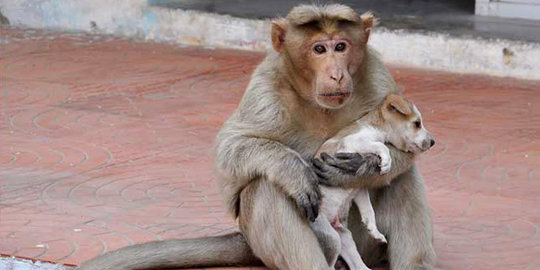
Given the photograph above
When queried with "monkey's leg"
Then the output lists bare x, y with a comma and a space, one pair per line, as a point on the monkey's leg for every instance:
367, 213
276, 232
403, 215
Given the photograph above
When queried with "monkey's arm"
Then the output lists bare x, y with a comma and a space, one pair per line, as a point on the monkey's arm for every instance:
243, 158
347, 168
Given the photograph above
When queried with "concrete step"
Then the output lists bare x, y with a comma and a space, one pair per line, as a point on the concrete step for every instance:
137, 18
453, 17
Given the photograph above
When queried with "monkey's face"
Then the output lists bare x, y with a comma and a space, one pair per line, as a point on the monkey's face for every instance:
323, 51
332, 63
325, 63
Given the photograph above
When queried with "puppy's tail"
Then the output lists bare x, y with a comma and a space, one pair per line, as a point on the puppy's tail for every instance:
226, 250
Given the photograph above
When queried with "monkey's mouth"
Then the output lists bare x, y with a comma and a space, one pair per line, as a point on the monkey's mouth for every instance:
333, 100
336, 94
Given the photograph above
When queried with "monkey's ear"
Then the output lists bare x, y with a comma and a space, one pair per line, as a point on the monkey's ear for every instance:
279, 28
398, 104
368, 22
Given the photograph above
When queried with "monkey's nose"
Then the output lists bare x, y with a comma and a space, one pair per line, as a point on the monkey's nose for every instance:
337, 76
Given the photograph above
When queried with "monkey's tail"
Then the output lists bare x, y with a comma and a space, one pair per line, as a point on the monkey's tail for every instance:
226, 250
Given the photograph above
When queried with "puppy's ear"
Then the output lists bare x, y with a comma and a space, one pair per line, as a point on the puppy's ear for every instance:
397, 103
278, 31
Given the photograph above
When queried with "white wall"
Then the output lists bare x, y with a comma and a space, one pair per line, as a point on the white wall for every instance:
524, 9
134, 18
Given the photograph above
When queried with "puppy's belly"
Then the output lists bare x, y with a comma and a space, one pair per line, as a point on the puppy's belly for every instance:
336, 202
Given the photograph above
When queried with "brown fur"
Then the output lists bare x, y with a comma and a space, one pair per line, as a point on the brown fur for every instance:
262, 151
398, 103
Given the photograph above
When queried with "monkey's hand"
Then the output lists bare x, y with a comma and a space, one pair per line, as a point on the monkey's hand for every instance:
308, 197
344, 168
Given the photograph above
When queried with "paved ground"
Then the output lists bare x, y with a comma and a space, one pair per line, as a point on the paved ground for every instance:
107, 142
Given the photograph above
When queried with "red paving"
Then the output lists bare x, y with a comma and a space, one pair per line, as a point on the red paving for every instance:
107, 142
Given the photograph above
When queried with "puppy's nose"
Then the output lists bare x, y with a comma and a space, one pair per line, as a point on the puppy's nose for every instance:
428, 143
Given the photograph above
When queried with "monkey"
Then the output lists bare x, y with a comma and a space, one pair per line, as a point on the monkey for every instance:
319, 77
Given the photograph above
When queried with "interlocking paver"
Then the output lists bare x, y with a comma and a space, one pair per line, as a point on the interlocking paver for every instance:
106, 142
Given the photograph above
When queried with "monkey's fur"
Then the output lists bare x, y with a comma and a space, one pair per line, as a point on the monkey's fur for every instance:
293, 103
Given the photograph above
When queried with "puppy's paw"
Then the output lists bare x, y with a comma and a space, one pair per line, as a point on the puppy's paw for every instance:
386, 164
379, 237
385, 168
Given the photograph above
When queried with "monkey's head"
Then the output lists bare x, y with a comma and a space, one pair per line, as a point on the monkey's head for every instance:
323, 49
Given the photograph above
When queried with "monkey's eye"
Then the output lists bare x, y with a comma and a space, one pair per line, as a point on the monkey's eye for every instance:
319, 49
417, 124
340, 47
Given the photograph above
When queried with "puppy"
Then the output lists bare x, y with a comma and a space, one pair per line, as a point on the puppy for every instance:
395, 121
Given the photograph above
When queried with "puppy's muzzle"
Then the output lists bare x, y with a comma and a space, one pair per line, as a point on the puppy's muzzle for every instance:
428, 142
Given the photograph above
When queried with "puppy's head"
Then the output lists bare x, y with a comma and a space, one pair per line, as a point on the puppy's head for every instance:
407, 131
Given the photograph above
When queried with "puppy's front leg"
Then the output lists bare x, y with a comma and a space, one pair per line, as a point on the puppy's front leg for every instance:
384, 153
343, 168
377, 148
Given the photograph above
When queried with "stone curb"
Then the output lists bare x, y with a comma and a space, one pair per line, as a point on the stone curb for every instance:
12, 263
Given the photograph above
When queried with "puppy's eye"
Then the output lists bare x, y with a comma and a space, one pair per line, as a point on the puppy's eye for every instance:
417, 124
319, 49
340, 47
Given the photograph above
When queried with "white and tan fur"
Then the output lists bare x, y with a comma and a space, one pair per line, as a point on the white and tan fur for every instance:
396, 121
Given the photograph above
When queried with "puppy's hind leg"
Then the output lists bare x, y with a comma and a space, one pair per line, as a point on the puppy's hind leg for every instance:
363, 202
349, 253
328, 237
